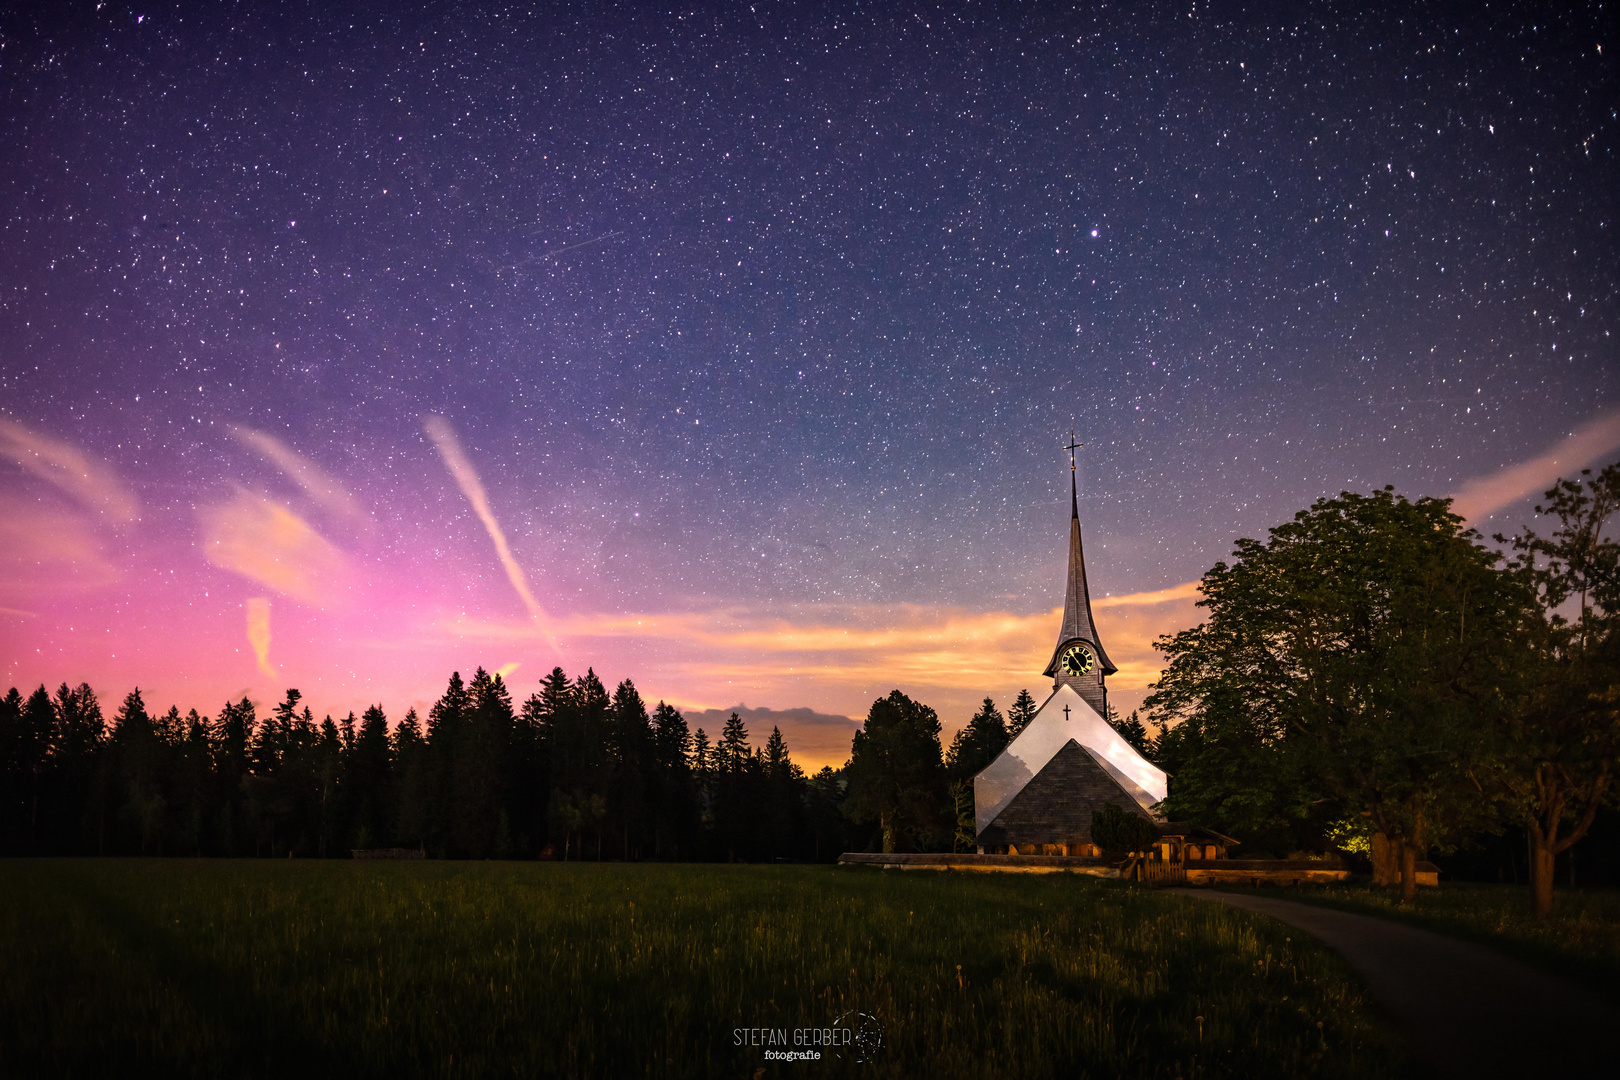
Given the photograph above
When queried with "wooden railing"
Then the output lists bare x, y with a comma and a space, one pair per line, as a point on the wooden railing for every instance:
1155, 869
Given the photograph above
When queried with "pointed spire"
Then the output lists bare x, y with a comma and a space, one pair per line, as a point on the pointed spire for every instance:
1078, 624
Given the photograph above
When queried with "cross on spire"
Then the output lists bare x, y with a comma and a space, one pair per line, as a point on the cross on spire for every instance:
1074, 491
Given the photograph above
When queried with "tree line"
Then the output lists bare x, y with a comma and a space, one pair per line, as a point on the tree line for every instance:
573, 772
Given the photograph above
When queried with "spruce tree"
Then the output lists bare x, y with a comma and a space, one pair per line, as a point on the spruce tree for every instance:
332, 813
13, 788
411, 766
33, 750
234, 733
1020, 713
76, 769
138, 756
368, 778
446, 719
977, 744
735, 820
675, 813
827, 822
589, 762
733, 749
634, 764
480, 772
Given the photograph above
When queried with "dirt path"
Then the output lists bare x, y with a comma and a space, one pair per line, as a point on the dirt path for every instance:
1464, 1009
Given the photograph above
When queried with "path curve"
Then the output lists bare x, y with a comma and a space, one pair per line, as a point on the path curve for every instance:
1465, 1010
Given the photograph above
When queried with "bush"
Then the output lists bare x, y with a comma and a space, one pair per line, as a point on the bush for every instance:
1119, 832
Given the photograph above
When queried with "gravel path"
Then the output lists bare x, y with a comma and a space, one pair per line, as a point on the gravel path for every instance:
1464, 1009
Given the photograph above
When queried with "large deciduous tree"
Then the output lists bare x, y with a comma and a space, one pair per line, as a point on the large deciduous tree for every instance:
1563, 735
895, 773
1347, 666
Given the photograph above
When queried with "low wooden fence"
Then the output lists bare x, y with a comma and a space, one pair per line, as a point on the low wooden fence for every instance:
1155, 869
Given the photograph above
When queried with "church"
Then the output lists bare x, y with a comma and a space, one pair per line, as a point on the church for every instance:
1038, 795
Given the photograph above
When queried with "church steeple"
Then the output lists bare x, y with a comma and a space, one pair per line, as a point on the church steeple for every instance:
1079, 659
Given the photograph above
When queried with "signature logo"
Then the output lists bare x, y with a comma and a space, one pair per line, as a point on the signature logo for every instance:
866, 1035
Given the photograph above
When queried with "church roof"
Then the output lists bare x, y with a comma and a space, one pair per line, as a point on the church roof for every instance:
1064, 716
1077, 621
1055, 807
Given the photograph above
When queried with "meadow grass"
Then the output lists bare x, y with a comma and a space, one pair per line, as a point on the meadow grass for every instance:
445, 969
1581, 939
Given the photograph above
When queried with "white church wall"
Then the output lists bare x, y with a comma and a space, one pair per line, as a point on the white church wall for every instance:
1050, 732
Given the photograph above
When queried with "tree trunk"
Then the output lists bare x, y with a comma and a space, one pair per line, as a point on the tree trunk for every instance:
888, 835
1541, 875
1386, 859
1408, 873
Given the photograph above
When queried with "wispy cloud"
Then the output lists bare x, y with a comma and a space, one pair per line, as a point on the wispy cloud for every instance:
1482, 495
46, 549
444, 437
90, 481
265, 541
324, 489
258, 632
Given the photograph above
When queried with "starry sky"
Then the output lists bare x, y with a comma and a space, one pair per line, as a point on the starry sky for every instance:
730, 348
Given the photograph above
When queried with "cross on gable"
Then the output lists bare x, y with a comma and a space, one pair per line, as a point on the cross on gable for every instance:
1065, 714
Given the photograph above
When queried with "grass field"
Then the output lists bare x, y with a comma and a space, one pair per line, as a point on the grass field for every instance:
1581, 939
242, 968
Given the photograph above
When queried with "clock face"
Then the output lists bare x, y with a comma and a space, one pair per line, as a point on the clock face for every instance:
1078, 659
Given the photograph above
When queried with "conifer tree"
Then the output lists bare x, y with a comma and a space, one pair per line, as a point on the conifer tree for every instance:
480, 786
235, 732
735, 767
33, 757
733, 749
587, 764
194, 788
631, 735
329, 765
13, 788
1020, 713
77, 797
782, 812
139, 758
367, 782
446, 719
701, 754
978, 743
411, 765
675, 813
346, 732
827, 821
